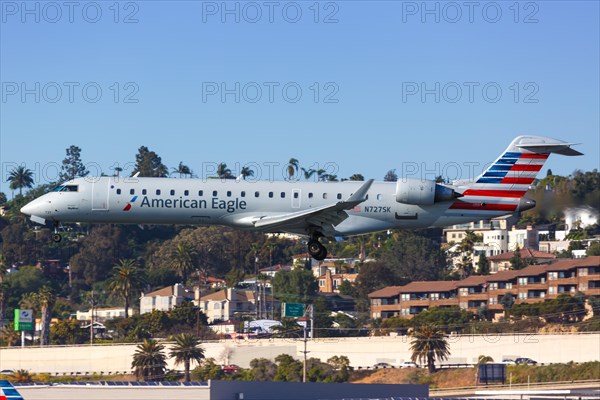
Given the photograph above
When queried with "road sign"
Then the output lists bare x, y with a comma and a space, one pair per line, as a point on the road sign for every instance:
23, 320
293, 309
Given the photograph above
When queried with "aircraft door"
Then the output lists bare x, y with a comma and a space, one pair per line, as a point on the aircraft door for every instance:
296, 198
100, 194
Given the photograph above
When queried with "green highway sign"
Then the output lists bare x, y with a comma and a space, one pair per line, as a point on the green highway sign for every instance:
23, 320
293, 309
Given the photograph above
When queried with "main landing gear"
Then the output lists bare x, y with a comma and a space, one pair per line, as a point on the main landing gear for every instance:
316, 249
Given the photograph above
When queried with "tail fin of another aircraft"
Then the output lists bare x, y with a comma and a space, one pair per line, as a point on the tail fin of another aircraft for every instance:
503, 185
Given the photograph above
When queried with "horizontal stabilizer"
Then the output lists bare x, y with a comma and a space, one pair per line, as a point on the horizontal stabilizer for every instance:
562, 148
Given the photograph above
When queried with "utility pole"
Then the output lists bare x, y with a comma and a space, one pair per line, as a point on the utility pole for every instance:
305, 353
92, 304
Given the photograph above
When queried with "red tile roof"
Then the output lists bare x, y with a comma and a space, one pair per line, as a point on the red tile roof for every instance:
525, 253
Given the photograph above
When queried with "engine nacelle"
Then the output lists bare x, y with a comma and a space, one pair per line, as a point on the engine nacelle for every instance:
422, 193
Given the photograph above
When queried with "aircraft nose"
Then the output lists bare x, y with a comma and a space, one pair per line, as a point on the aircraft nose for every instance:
525, 204
29, 208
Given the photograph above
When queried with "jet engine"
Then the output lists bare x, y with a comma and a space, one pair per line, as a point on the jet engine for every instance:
423, 193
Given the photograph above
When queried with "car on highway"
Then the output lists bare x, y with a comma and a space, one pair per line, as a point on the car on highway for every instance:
408, 364
525, 360
382, 365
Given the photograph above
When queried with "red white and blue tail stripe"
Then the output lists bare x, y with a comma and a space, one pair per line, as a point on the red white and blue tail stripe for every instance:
502, 187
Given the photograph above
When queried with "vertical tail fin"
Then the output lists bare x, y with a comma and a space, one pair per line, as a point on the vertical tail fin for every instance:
502, 186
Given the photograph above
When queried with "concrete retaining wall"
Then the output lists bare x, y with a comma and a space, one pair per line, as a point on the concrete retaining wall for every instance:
362, 352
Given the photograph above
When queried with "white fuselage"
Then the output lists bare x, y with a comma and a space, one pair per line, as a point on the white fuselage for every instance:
237, 203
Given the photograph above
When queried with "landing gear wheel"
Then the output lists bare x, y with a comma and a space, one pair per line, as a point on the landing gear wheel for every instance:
316, 250
56, 238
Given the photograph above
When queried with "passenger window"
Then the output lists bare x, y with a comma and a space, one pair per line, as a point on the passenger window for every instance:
256, 194
270, 194
243, 194
172, 192
310, 195
200, 193
324, 195
215, 193
118, 191
229, 193
295, 195
339, 196
379, 197
186, 192
158, 192
131, 191
144, 191
283, 195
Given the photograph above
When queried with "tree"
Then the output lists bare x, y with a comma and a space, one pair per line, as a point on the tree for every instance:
292, 168
516, 262
262, 369
593, 249
46, 299
149, 164
483, 265
3, 198
246, 172
507, 301
428, 345
390, 176
126, 278
72, 167
223, 172
295, 286
182, 260
19, 178
289, 328
149, 361
182, 170
308, 173
288, 369
357, 177
186, 349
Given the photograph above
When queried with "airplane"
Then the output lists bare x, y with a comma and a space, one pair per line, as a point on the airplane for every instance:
311, 209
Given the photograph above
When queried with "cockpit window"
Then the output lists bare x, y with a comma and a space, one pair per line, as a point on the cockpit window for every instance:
66, 188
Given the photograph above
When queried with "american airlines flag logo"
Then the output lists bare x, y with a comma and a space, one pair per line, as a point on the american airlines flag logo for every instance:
128, 206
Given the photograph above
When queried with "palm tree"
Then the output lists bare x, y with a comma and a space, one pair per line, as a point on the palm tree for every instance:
223, 172
292, 167
246, 172
186, 349
182, 260
46, 299
182, 170
9, 336
126, 278
308, 173
21, 376
20, 178
428, 345
289, 328
149, 360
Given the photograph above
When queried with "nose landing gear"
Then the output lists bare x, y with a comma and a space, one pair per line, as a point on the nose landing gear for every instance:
56, 237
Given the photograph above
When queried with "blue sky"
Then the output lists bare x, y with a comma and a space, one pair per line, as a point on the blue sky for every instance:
349, 86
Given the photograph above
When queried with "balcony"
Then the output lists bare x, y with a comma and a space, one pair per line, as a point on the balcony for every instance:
475, 296
566, 281
386, 307
535, 286
415, 302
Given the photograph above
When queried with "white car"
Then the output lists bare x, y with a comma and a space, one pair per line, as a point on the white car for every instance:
408, 364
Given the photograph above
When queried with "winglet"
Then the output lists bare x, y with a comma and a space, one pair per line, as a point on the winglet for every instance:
361, 194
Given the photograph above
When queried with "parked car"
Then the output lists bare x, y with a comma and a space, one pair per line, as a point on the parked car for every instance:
408, 364
525, 360
382, 365
509, 362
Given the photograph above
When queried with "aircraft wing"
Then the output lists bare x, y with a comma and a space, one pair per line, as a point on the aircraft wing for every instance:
325, 217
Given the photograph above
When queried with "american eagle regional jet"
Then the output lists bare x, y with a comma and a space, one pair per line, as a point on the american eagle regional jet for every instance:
312, 209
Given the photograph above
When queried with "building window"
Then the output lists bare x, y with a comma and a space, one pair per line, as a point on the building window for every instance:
434, 296
523, 281
493, 285
404, 312
582, 271
405, 297
493, 300
508, 285
552, 276
522, 295
552, 289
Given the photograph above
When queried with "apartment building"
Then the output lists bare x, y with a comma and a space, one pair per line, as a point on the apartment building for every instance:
501, 262
529, 285
165, 299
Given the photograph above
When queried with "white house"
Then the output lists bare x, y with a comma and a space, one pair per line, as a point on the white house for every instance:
228, 304
165, 299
